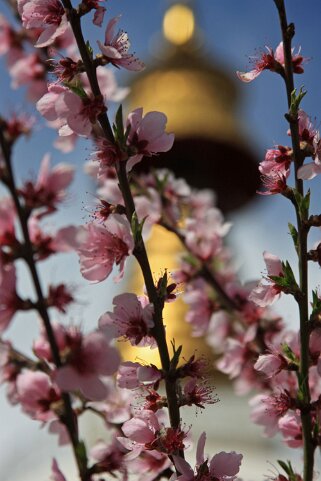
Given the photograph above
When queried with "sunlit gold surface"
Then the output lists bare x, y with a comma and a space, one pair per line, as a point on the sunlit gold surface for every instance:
163, 250
195, 103
179, 24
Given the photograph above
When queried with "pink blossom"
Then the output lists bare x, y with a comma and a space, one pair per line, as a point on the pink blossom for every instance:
49, 190
307, 130
312, 169
132, 375
200, 304
7, 222
222, 466
59, 296
72, 113
29, 70
37, 395
232, 361
290, 427
147, 135
264, 293
273, 61
7, 36
9, 371
266, 410
149, 465
90, 358
86, 358
204, 236
145, 432
9, 300
109, 87
116, 408
198, 393
47, 244
115, 48
133, 319
44, 14
110, 457
59, 429
270, 364
56, 474
101, 245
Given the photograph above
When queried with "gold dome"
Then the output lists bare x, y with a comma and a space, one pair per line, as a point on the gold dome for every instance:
200, 102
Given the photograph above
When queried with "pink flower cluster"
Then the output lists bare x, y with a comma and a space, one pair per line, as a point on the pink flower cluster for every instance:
273, 61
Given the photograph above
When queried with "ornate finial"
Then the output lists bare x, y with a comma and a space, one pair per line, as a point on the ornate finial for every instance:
179, 24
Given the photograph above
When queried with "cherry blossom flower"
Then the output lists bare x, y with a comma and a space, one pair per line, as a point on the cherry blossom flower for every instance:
29, 70
264, 293
37, 395
144, 432
149, 465
222, 467
7, 223
132, 375
147, 135
7, 36
86, 358
201, 306
133, 319
101, 245
110, 457
9, 371
72, 113
117, 407
291, 429
267, 410
18, 124
56, 474
46, 244
48, 15
275, 169
198, 393
9, 300
59, 297
270, 364
115, 48
90, 357
204, 236
49, 189
273, 61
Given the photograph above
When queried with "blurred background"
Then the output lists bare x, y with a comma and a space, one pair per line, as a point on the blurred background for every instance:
191, 54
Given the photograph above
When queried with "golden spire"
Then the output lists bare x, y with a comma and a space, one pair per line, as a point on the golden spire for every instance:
179, 24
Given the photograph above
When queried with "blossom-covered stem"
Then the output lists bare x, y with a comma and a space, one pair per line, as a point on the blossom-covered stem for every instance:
206, 273
309, 448
140, 250
68, 417
75, 23
158, 330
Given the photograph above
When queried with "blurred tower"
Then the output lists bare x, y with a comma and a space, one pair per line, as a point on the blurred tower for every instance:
209, 151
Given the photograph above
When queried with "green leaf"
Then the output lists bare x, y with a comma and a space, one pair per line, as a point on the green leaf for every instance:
316, 305
176, 355
81, 454
77, 89
118, 127
294, 235
303, 203
89, 50
296, 100
288, 353
283, 465
137, 227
